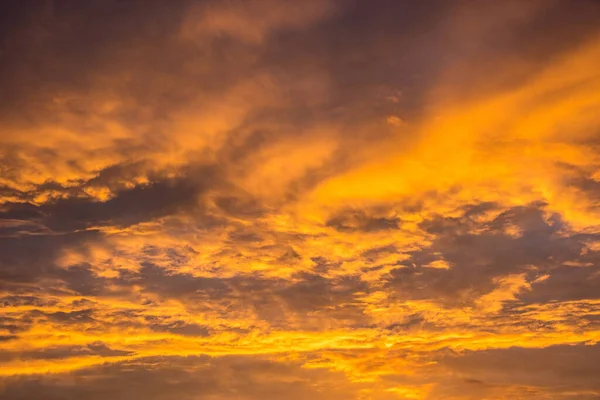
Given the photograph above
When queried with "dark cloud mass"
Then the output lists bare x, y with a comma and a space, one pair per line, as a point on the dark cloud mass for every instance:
320, 199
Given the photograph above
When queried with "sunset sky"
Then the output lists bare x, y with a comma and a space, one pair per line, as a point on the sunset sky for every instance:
300, 200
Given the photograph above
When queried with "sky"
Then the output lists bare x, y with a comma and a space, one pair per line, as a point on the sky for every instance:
300, 199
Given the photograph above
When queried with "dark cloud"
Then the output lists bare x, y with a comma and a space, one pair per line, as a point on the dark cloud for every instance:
568, 283
175, 285
314, 293
177, 327
240, 207
16, 324
15, 301
129, 206
165, 378
33, 257
63, 352
72, 317
359, 221
556, 372
273, 300
74, 44
20, 211
478, 252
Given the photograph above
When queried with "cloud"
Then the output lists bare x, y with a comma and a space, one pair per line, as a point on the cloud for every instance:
555, 372
188, 378
252, 23
353, 200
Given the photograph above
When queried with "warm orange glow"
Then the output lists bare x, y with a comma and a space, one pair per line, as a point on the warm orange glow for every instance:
313, 199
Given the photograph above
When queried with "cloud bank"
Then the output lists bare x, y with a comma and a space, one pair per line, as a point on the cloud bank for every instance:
312, 199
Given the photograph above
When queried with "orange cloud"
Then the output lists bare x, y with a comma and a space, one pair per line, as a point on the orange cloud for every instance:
341, 200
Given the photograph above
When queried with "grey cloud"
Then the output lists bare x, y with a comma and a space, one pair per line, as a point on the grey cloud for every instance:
132, 206
29, 258
163, 378
272, 299
567, 283
158, 324
479, 252
25, 300
359, 221
71, 317
63, 352
314, 292
556, 372
14, 325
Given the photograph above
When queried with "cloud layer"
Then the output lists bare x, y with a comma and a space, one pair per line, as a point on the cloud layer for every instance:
312, 199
